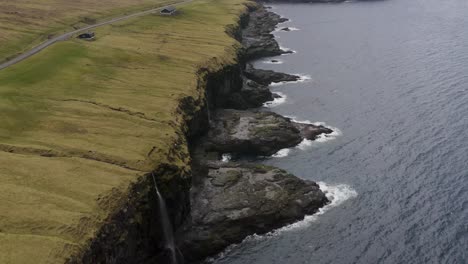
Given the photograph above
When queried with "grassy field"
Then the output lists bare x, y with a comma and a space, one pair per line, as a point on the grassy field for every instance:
24, 23
82, 120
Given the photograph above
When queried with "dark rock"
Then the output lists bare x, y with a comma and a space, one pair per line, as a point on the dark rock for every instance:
311, 132
286, 29
236, 200
266, 77
252, 95
256, 37
275, 96
274, 61
255, 132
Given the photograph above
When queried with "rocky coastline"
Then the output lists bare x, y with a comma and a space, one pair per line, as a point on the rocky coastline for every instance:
230, 200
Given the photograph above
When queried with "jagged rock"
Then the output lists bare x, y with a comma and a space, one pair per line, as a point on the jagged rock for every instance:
286, 29
256, 37
236, 200
266, 77
311, 132
252, 95
255, 132
256, 94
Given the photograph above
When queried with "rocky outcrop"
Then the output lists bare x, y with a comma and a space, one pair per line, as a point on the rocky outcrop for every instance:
235, 200
267, 77
257, 38
255, 132
251, 95
230, 201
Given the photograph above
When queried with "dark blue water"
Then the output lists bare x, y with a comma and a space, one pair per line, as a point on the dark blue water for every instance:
393, 77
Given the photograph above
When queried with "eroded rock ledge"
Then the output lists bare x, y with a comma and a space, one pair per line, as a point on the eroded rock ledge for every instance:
233, 200
254, 132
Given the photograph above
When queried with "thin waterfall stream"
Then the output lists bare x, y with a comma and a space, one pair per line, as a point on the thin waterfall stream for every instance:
166, 226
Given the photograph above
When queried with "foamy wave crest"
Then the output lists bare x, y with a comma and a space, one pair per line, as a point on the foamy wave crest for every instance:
226, 157
286, 49
281, 29
282, 153
274, 61
276, 101
306, 143
302, 78
337, 194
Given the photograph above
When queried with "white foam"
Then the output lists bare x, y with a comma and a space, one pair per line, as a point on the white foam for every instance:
226, 157
302, 78
337, 194
276, 101
281, 153
287, 49
336, 131
280, 29
273, 62
323, 137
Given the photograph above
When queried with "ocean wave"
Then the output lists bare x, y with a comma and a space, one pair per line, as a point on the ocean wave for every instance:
280, 29
320, 138
281, 153
337, 194
277, 101
286, 49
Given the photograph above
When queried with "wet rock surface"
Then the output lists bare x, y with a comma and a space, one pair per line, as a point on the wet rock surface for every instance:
254, 132
235, 200
267, 77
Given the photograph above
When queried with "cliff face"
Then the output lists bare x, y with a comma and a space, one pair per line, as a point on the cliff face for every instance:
154, 100
133, 234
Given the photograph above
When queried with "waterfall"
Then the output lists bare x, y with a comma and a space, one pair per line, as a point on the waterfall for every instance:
168, 233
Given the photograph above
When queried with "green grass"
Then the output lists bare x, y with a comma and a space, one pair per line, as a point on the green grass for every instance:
25, 23
79, 121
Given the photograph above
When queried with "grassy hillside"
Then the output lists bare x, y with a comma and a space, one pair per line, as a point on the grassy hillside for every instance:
24, 23
82, 120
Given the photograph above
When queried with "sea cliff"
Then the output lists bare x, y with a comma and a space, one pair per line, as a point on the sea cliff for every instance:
213, 203
148, 99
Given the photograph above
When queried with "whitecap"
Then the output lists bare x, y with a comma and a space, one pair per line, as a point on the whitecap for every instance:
337, 194
307, 143
287, 50
281, 153
226, 157
276, 101
280, 29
